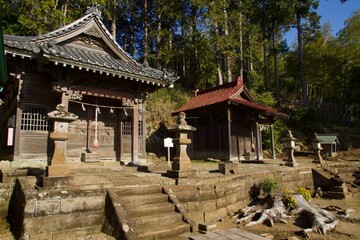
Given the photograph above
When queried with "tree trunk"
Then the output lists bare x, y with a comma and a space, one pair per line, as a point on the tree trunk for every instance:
146, 32
276, 66
301, 59
250, 62
158, 35
218, 57
113, 27
240, 60
64, 9
226, 32
266, 67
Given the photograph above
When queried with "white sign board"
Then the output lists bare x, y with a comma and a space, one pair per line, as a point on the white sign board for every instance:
168, 142
10, 136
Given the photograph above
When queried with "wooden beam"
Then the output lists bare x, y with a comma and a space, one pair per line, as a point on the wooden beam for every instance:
135, 135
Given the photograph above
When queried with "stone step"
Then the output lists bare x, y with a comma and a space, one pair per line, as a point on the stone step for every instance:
168, 232
158, 220
141, 190
148, 209
129, 201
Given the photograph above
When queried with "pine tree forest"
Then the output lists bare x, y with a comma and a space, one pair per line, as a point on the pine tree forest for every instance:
211, 42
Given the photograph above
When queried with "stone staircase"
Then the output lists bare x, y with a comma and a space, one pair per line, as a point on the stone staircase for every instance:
346, 172
150, 214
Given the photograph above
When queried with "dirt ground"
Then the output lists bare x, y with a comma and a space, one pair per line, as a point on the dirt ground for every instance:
280, 231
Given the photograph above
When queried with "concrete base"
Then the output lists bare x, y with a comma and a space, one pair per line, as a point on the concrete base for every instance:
181, 174
57, 170
56, 182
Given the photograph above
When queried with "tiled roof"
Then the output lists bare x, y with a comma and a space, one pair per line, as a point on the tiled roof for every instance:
53, 46
229, 92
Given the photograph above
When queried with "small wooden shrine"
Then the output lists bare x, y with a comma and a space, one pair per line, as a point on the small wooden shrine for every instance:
82, 67
229, 123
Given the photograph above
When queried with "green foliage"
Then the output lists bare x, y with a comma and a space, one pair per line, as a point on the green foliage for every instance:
160, 105
267, 186
305, 192
289, 200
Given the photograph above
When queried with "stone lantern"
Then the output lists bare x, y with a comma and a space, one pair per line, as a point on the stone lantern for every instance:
316, 145
290, 147
181, 165
61, 118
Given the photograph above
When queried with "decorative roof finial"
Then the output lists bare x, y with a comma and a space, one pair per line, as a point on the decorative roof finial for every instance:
239, 80
95, 9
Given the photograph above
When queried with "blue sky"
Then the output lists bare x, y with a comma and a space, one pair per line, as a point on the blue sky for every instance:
330, 11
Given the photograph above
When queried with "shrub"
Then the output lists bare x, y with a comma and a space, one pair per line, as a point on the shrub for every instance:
289, 200
305, 192
268, 185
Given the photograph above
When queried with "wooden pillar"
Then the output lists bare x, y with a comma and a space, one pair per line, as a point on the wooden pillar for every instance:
229, 131
272, 142
19, 83
257, 139
135, 135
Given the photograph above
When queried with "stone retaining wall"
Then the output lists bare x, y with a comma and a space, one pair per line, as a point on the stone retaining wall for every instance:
49, 214
209, 200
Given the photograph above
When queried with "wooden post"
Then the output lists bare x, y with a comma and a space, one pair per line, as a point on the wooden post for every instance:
257, 135
272, 142
229, 131
135, 135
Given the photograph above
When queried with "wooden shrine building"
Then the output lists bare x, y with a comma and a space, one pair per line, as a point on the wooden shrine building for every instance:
229, 123
81, 66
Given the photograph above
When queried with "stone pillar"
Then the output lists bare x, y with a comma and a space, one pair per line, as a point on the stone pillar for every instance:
316, 145
290, 147
61, 118
181, 165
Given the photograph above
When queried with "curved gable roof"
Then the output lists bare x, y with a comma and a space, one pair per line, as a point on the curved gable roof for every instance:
234, 92
58, 46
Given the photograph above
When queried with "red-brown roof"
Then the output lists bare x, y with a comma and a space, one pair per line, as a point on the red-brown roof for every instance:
227, 92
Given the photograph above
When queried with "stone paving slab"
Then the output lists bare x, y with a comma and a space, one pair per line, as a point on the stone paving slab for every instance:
229, 234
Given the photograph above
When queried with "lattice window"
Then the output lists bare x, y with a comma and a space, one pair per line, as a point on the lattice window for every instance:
141, 129
34, 120
126, 128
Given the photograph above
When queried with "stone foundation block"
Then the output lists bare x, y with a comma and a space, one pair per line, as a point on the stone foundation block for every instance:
181, 174
202, 205
233, 208
196, 216
83, 204
215, 215
10, 175
43, 208
52, 223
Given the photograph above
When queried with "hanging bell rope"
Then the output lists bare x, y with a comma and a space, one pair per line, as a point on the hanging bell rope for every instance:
96, 142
